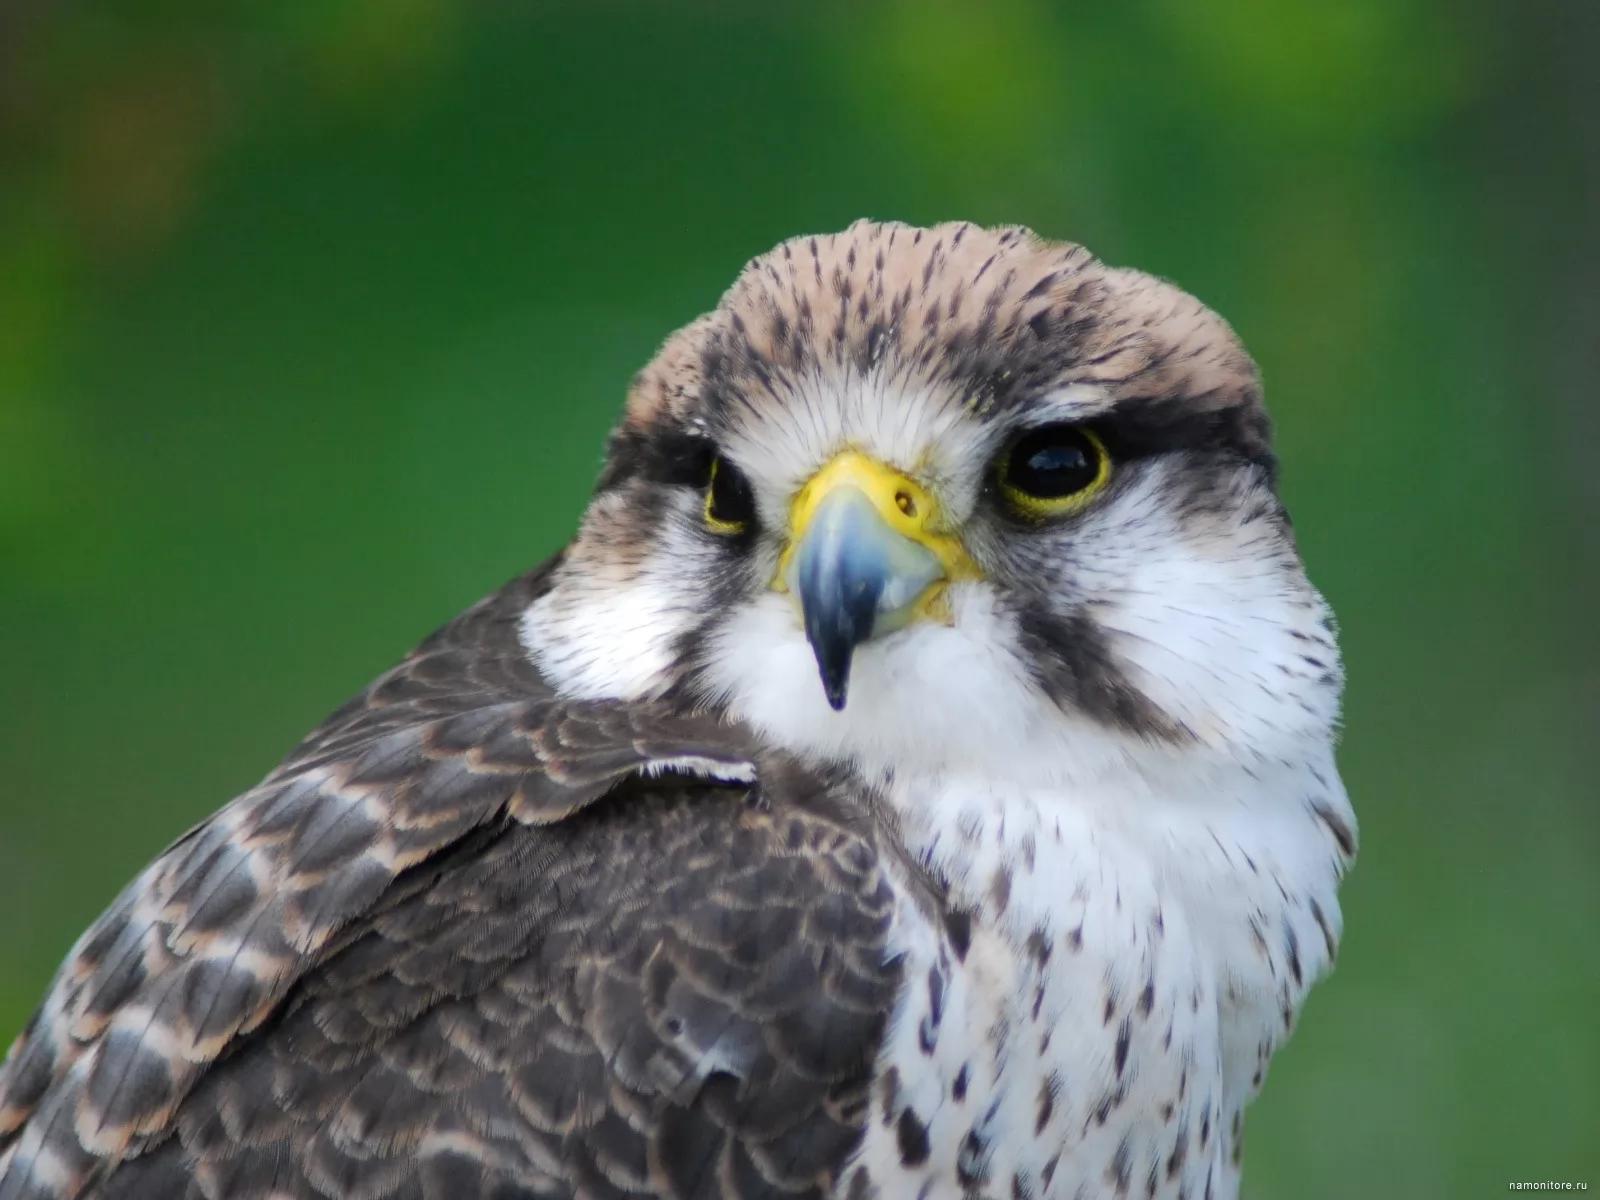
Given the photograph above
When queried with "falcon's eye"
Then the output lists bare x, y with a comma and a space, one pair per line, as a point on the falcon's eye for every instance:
730, 508
1053, 471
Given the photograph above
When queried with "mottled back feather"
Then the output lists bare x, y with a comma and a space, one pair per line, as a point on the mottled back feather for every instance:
470, 939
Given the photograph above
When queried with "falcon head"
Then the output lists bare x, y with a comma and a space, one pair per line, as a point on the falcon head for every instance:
950, 496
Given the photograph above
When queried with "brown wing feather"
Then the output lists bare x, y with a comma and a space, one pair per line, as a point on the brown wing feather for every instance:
420, 959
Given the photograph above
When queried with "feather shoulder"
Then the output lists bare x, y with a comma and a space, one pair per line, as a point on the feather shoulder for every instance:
470, 938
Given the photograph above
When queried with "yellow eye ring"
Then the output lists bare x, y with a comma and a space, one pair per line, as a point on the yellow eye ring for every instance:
1053, 471
729, 506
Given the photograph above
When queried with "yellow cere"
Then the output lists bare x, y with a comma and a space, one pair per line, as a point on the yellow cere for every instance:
1042, 508
907, 507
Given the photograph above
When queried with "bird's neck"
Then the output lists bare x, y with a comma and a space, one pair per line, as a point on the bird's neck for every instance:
1245, 855
1218, 888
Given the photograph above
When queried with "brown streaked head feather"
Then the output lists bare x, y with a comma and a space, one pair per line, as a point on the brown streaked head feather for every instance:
995, 317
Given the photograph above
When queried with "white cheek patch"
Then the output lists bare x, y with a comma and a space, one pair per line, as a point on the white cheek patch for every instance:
1218, 626
602, 651
605, 633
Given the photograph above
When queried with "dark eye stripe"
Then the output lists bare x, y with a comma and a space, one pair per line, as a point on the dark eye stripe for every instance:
658, 455
1161, 426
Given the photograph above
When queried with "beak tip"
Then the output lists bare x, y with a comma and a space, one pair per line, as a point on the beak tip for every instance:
834, 673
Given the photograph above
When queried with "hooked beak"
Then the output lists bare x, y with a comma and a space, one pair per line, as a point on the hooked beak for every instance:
867, 555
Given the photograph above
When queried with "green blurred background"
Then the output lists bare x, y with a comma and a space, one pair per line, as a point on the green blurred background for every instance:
313, 317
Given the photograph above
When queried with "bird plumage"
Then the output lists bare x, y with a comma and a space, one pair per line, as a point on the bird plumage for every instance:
598, 893
472, 937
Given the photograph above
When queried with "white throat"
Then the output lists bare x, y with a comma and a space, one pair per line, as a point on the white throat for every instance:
1165, 941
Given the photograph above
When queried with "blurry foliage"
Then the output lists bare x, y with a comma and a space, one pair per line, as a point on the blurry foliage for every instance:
313, 316
1362, 71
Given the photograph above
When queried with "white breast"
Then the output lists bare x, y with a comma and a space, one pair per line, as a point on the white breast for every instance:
1099, 1020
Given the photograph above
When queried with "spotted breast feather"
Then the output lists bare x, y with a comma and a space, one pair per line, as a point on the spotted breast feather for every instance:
473, 940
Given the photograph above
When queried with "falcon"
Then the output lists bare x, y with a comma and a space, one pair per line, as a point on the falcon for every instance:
915, 779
